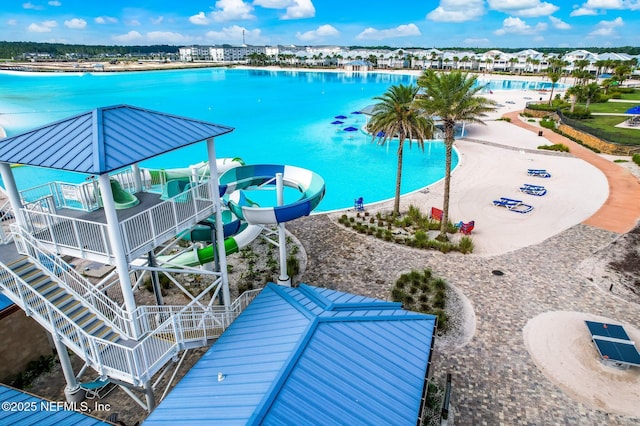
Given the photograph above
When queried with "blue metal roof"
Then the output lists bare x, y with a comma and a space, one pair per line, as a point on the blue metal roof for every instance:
20, 408
105, 139
308, 355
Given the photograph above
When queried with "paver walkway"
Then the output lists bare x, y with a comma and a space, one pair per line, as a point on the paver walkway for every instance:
495, 382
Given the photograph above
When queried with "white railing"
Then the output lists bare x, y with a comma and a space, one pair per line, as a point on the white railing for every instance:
6, 217
68, 278
70, 233
150, 228
135, 364
77, 196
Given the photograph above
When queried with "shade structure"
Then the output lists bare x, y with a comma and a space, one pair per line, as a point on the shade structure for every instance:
337, 122
350, 129
105, 139
340, 117
634, 110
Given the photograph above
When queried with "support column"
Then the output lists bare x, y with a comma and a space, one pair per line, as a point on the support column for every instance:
137, 179
283, 279
151, 399
155, 281
219, 243
12, 192
117, 245
72, 390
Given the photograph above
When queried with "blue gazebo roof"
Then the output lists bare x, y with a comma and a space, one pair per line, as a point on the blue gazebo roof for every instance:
105, 139
306, 355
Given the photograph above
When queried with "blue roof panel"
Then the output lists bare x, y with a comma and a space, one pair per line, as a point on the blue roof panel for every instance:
296, 355
105, 139
38, 411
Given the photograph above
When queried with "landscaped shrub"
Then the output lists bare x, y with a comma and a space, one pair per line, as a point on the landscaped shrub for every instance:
547, 123
420, 291
636, 159
465, 245
555, 147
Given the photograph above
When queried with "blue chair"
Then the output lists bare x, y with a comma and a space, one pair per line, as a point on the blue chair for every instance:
533, 189
516, 206
358, 204
539, 173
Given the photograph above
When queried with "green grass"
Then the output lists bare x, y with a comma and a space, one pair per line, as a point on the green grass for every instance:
611, 107
635, 96
608, 123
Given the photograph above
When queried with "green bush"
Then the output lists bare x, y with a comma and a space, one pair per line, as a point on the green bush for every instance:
556, 147
636, 159
577, 114
465, 245
427, 294
547, 123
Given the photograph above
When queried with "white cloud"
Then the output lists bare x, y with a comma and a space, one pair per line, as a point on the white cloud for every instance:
399, 31
199, 19
607, 28
524, 8
233, 35
134, 23
105, 20
295, 9
42, 27
130, 37
157, 21
476, 41
517, 26
76, 24
583, 11
54, 3
229, 10
31, 6
605, 4
12, 22
301, 9
166, 37
457, 11
319, 33
559, 24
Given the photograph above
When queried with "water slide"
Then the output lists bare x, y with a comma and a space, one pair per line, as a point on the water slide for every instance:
200, 170
232, 182
310, 184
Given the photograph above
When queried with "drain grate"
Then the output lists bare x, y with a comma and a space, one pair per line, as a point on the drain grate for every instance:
497, 272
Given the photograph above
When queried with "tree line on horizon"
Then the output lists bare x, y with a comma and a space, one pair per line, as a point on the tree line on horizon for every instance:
15, 49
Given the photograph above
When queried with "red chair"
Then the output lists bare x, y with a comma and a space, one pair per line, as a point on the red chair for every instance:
466, 228
436, 214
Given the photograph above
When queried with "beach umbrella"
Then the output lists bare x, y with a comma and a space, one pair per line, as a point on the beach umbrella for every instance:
337, 122
350, 129
380, 134
356, 112
634, 110
340, 117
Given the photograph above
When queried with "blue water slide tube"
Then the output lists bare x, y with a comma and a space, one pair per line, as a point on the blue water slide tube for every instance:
310, 184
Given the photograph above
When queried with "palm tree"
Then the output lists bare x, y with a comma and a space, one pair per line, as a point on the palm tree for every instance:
554, 72
452, 97
590, 92
396, 116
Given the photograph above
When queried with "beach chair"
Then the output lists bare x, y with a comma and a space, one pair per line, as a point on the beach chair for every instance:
97, 389
542, 173
516, 206
466, 228
436, 214
358, 204
533, 189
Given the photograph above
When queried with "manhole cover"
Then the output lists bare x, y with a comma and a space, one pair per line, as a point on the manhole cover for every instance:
497, 272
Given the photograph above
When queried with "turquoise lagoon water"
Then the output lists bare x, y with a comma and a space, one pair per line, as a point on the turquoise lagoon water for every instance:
280, 117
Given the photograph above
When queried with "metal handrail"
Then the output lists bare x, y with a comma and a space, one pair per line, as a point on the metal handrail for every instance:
69, 279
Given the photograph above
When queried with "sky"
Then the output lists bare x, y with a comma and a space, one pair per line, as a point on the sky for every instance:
396, 23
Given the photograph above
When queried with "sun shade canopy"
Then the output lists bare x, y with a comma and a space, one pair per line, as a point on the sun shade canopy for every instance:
105, 139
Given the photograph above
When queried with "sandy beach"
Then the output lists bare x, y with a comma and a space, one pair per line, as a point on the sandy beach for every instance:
493, 163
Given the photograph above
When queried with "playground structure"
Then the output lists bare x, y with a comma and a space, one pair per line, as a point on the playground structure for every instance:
125, 343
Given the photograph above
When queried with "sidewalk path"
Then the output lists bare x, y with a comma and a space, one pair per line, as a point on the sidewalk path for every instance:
621, 210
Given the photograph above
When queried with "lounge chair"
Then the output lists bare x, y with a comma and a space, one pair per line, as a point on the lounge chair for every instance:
436, 214
510, 204
358, 204
465, 228
539, 173
533, 189
97, 389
